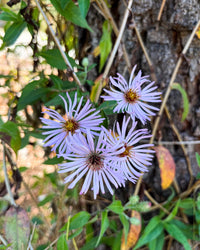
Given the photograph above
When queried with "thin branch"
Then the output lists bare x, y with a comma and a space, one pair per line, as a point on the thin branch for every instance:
182, 145
11, 199
161, 10
31, 237
59, 45
108, 16
114, 51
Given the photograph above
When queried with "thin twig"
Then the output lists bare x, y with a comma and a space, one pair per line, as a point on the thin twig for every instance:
59, 46
114, 51
109, 17
31, 237
11, 199
52, 243
182, 145
161, 10
155, 202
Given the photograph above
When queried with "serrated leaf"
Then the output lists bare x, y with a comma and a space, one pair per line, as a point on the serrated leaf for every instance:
116, 207
178, 87
104, 225
9, 132
27, 97
55, 59
84, 7
76, 233
62, 243
151, 232
79, 220
71, 12
176, 233
167, 166
133, 234
13, 32
17, 227
105, 44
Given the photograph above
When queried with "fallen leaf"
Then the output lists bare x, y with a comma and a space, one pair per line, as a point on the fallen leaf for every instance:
167, 166
134, 231
198, 32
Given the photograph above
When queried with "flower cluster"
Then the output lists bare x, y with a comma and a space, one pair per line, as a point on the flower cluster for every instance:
104, 158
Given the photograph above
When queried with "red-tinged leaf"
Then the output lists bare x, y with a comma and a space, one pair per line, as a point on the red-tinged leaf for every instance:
17, 227
134, 232
167, 166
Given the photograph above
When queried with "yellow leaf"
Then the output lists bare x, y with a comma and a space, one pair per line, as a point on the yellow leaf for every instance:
167, 166
133, 234
96, 86
198, 32
96, 51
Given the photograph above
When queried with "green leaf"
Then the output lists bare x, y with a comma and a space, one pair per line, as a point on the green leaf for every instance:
8, 15
79, 220
116, 207
187, 203
58, 83
107, 107
22, 169
84, 7
55, 59
47, 199
105, 44
27, 97
61, 243
90, 245
151, 232
37, 220
13, 32
104, 225
9, 132
186, 229
158, 242
76, 233
174, 212
71, 12
198, 159
17, 227
176, 233
53, 161
125, 222
177, 86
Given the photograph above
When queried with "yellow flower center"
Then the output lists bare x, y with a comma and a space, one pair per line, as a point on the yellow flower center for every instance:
71, 126
131, 96
126, 151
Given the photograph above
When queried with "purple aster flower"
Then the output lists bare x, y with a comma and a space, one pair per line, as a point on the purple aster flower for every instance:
75, 120
132, 98
91, 159
131, 162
